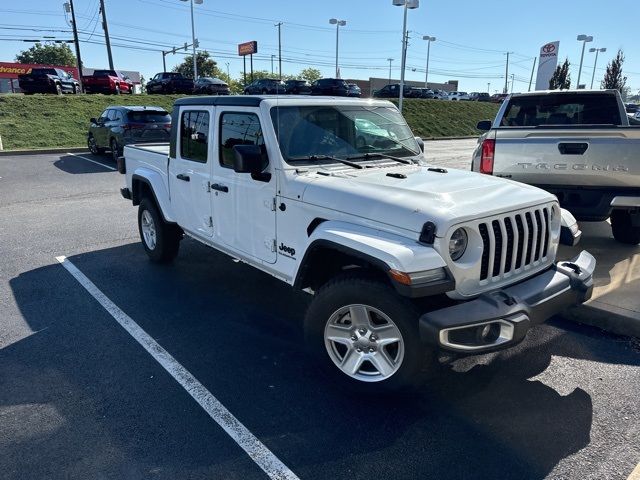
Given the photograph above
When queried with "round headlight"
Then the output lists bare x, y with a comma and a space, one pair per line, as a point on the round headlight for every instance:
458, 244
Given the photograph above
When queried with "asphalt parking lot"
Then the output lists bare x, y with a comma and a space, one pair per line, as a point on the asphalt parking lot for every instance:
81, 398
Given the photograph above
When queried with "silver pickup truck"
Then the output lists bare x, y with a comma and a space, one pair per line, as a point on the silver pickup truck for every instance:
578, 145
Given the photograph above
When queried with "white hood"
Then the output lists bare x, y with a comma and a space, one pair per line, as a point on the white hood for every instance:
443, 198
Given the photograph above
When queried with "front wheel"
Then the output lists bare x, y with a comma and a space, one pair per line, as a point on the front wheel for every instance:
58, 89
623, 228
117, 91
161, 240
366, 333
115, 150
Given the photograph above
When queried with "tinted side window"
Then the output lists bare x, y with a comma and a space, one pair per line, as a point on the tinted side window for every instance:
194, 134
238, 129
103, 116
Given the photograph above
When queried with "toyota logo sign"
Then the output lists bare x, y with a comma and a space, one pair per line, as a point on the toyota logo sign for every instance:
549, 48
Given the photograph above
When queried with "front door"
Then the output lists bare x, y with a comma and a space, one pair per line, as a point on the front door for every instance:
243, 204
189, 172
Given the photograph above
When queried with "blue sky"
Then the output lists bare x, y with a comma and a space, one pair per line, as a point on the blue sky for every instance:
471, 36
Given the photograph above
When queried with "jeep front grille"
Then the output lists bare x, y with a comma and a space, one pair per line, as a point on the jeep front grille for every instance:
515, 242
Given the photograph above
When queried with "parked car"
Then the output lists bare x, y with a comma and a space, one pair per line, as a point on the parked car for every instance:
577, 145
440, 94
631, 107
107, 81
354, 90
265, 86
335, 87
393, 91
457, 96
498, 97
48, 80
402, 261
211, 86
118, 126
170, 82
425, 93
297, 87
479, 97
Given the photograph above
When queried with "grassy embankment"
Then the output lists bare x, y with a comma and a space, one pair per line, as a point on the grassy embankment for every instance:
47, 121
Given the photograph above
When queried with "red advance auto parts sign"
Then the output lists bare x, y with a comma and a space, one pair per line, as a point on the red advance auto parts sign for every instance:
12, 70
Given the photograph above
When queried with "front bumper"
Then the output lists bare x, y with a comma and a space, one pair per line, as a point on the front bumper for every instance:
501, 319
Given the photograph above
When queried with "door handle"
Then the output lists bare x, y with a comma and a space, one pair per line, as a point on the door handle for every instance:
220, 188
183, 177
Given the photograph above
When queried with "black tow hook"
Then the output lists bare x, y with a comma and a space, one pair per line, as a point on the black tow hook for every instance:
573, 267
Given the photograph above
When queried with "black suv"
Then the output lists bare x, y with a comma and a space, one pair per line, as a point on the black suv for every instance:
118, 126
170, 82
48, 80
393, 91
265, 86
330, 86
297, 87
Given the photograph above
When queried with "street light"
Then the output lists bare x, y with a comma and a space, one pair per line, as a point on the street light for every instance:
584, 39
389, 60
597, 50
426, 75
193, 37
338, 24
406, 4
272, 57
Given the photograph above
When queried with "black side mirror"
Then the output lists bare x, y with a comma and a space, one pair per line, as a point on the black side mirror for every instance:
420, 143
484, 125
248, 159
93, 120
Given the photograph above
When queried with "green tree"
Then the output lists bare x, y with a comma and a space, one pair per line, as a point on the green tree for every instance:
613, 77
561, 78
310, 74
48, 54
207, 67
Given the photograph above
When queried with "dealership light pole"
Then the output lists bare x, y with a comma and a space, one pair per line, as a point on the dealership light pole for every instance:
194, 41
389, 60
597, 50
279, 25
584, 39
68, 7
406, 4
506, 75
272, 57
426, 75
338, 24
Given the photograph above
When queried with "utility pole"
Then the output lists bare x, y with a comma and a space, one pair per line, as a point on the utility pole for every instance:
106, 34
489, 87
513, 79
77, 42
389, 60
506, 75
532, 70
279, 25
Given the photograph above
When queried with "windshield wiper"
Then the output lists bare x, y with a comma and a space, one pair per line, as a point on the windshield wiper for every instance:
367, 156
314, 158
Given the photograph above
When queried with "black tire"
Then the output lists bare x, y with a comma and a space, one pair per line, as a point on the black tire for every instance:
58, 89
264, 91
117, 91
115, 149
167, 236
365, 289
93, 146
623, 229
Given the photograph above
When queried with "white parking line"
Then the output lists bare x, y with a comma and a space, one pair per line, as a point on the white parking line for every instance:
92, 161
256, 450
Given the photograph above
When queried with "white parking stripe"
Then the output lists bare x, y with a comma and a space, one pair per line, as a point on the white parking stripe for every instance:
92, 161
258, 452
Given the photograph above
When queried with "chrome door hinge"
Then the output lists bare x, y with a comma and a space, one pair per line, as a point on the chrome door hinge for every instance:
211, 222
274, 246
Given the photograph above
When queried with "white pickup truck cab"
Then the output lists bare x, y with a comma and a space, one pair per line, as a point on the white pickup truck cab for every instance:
332, 195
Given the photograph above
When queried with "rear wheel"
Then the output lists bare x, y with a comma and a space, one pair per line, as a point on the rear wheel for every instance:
93, 146
366, 334
623, 228
161, 240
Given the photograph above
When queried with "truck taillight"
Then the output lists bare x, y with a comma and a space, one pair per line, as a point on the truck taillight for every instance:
488, 152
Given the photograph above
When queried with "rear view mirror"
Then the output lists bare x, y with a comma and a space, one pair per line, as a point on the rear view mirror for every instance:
248, 159
420, 143
93, 120
484, 125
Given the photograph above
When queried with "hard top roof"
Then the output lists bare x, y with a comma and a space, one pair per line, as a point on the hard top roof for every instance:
283, 100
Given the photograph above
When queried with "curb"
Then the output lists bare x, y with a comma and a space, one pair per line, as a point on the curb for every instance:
6, 153
609, 318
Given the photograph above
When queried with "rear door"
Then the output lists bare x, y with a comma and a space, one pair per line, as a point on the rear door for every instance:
189, 172
243, 205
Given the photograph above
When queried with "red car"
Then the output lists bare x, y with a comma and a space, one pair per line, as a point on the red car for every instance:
107, 81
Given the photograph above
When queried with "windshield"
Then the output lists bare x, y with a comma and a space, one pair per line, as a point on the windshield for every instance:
341, 131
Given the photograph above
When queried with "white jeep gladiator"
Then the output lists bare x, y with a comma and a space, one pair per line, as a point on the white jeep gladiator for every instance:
576, 144
333, 196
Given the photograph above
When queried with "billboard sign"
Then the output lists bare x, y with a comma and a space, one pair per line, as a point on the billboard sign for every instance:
547, 64
12, 70
247, 48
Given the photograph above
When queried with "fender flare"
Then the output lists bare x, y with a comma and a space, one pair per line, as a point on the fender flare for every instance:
157, 186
